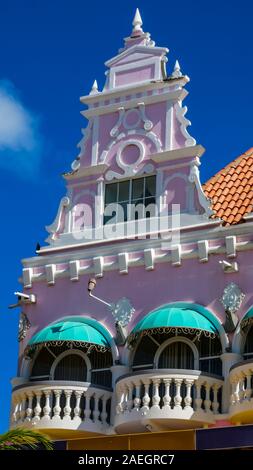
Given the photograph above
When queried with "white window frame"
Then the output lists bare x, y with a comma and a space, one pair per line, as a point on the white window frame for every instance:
129, 201
68, 353
176, 339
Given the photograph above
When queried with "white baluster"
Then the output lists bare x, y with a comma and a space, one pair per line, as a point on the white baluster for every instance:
146, 397
236, 391
188, 398
137, 399
248, 391
215, 404
198, 399
125, 398
77, 409
241, 389
120, 400
104, 412
19, 404
57, 407
178, 397
29, 410
156, 397
23, 407
87, 411
207, 401
67, 408
167, 397
37, 409
47, 407
96, 411
14, 417
130, 397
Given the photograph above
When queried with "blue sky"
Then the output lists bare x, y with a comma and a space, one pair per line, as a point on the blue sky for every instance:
51, 52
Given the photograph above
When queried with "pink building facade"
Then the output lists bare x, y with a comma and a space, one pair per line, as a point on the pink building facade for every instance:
172, 349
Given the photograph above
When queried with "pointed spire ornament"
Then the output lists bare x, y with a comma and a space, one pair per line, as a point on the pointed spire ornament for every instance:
94, 88
177, 71
137, 22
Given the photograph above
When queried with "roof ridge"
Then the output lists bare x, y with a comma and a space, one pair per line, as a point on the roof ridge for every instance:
248, 153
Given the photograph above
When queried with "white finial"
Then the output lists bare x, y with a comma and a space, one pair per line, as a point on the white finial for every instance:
94, 88
137, 22
177, 71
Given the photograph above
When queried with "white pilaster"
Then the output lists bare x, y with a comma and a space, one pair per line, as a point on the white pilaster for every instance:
168, 126
27, 277
228, 360
74, 267
203, 251
94, 157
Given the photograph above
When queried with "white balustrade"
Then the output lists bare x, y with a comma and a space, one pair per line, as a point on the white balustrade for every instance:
44, 405
241, 391
166, 393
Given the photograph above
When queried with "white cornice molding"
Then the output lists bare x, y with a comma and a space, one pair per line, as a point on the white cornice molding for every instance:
173, 96
133, 89
214, 231
137, 48
86, 171
148, 258
176, 154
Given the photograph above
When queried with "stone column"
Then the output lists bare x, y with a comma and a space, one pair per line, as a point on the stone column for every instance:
228, 360
117, 371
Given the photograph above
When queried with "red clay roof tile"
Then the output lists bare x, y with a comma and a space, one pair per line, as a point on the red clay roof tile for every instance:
231, 189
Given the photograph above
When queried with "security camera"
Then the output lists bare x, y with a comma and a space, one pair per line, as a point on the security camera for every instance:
229, 267
21, 295
23, 299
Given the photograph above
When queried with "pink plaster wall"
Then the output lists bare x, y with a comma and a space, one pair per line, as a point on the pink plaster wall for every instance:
196, 282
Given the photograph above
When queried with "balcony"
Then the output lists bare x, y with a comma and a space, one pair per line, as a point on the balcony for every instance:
241, 398
165, 399
56, 406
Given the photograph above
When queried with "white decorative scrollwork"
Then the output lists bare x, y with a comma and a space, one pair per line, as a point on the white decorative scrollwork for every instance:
115, 130
180, 114
54, 228
232, 297
129, 169
194, 178
147, 123
122, 311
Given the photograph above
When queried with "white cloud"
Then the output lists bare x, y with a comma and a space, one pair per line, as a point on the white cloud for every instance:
20, 141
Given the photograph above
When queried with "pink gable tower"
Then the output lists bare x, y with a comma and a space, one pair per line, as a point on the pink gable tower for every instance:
130, 318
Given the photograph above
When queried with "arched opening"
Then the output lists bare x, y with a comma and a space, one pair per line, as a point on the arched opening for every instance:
176, 355
248, 345
71, 367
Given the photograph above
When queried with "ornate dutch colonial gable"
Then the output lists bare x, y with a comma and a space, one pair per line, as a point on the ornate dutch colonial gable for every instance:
161, 345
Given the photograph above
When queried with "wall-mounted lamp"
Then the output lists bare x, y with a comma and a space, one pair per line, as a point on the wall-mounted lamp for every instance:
122, 311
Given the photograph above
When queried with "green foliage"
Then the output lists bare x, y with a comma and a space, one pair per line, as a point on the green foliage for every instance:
20, 438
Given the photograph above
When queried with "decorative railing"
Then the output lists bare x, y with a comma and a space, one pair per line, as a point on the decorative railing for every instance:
241, 396
60, 404
167, 393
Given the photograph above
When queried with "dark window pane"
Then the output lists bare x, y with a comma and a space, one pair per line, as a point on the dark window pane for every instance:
124, 206
150, 186
138, 188
72, 367
111, 193
124, 191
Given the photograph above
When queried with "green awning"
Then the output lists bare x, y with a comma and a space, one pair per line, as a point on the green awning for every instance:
247, 319
76, 331
186, 317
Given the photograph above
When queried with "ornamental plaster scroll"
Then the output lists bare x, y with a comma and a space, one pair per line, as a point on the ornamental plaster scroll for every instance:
54, 228
180, 114
194, 178
132, 132
140, 116
133, 168
75, 165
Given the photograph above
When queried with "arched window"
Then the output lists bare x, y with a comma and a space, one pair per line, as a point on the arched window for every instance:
248, 346
176, 355
71, 367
